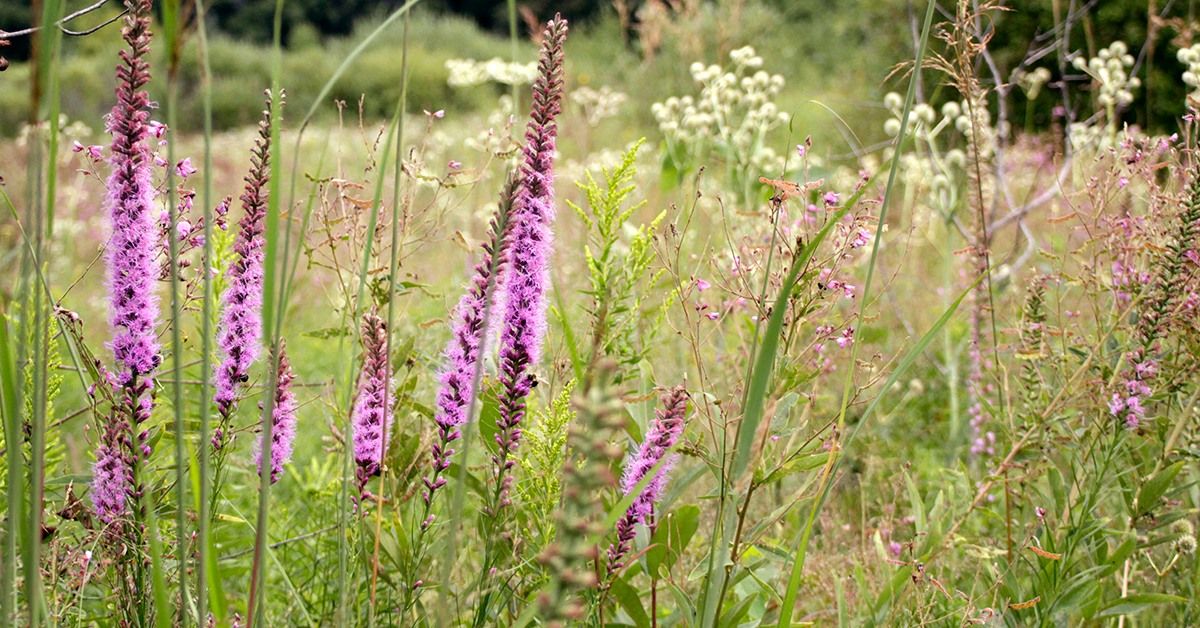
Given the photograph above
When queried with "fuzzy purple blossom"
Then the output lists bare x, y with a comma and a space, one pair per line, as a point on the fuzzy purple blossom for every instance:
528, 244
461, 372
129, 260
371, 419
239, 337
110, 477
664, 432
130, 201
283, 419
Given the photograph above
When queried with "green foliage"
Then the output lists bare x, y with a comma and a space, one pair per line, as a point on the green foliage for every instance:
618, 258
55, 451
542, 456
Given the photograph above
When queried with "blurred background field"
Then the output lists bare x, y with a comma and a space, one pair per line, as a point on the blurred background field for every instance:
838, 54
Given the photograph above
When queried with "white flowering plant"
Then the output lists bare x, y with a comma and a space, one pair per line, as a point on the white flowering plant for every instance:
1110, 73
469, 72
729, 119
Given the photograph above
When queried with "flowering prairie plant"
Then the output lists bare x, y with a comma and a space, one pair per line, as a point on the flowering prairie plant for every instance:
673, 314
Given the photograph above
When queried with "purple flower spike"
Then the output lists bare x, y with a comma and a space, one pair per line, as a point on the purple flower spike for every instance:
664, 432
131, 272
130, 201
461, 372
529, 245
283, 419
240, 335
371, 420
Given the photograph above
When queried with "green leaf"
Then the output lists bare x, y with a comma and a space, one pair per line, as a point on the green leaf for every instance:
671, 539
1118, 557
489, 411
797, 464
1137, 603
916, 503
1078, 593
735, 614
671, 175
764, 362
629, 600
1154, 488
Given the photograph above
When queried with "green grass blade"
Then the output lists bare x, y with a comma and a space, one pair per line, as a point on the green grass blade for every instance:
350, 59
41, 207
158, 578
764, 362
512, 43
207, 578
835, 462
797, 570
256, 605
10, 405
172, 31
752, 414
393, 269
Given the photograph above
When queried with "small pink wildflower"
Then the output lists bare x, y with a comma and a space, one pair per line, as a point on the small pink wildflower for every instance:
184, 168
861, 238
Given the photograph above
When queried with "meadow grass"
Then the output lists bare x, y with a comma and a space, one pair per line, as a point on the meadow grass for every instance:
731, 346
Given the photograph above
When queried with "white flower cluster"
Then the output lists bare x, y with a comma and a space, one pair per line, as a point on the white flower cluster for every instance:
71, 130
1084, 137
1031, 82
933, 170
469, 72
1110, 68
926, 124
1190, 57
732, 113
598, 104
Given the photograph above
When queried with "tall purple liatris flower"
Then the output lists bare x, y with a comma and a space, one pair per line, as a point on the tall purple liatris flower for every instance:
283, 419
240, 334
131, 274
664, 432
371, 420
528, 246
461, 373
